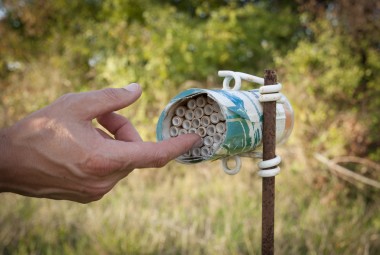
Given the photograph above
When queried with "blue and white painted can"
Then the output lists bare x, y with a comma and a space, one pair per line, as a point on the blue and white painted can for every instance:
243, 114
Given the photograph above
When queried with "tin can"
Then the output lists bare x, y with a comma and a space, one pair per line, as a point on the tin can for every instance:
233, 119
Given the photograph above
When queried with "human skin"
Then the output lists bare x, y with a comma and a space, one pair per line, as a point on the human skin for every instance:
57, 153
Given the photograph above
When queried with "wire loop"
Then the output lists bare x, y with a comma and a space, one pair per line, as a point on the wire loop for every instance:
231, 171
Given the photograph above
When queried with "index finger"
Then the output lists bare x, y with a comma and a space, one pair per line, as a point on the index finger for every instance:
151, 154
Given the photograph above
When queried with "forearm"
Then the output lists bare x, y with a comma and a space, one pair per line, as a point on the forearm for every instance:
11, 164
5, 153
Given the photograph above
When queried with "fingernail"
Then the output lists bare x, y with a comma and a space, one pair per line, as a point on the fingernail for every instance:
132, 87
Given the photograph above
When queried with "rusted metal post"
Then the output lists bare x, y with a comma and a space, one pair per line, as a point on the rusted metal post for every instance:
269, 152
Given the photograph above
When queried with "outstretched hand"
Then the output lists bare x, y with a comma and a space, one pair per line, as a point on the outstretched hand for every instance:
57, 153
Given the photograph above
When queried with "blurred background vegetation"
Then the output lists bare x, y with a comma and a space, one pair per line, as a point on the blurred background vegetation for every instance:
327, 56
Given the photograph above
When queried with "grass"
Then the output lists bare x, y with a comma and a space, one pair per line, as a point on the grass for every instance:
197, 210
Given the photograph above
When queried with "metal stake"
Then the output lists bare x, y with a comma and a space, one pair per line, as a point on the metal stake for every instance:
269, 152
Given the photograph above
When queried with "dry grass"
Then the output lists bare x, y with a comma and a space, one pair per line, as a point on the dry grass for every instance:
197, 210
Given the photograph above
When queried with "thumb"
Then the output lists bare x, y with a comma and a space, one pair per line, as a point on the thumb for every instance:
98, 102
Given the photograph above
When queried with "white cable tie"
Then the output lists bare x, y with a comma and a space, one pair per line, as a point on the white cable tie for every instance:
237, 76
270, 88
263, 165
269, 97
251, 78
269, 173
269, 93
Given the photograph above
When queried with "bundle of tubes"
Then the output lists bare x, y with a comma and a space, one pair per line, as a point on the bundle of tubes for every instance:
200, 115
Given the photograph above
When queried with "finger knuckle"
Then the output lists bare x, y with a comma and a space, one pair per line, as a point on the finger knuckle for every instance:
161, 159
111, 94
101, 166
68, 102
67, 98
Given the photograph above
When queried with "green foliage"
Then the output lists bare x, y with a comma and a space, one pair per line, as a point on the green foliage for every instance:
340, 92
116, 42
329, 64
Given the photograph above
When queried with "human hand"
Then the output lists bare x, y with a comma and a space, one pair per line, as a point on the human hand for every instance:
57, 153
